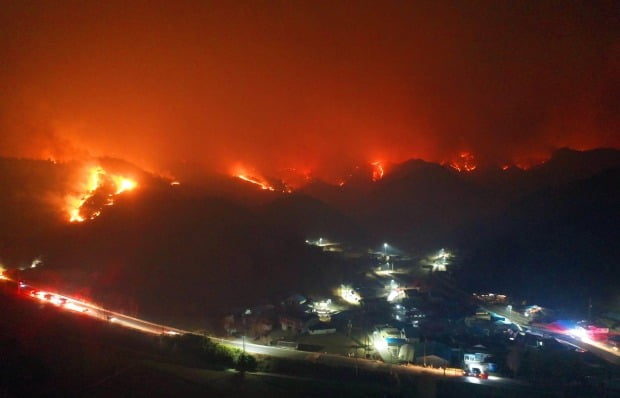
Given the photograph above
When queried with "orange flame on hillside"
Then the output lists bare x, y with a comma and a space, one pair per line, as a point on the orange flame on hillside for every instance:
465, 162
242, 173
295, 178
377, 171
252, 177
100, 189
262, 184
123, 184
519, 166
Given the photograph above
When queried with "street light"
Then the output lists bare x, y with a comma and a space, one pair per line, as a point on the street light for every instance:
385, 246
247, 312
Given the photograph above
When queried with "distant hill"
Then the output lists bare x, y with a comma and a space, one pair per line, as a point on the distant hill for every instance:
557, 244
311, 218
568, 165
175, 252
425, 205
419, 204
31, 195
216, 241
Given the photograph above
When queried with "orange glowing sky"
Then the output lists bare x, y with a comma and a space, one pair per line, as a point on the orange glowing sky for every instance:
309, 85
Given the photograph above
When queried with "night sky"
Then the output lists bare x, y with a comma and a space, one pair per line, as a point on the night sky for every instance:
310, 85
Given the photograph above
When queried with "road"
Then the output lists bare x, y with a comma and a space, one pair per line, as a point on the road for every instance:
597, 348
84, 308
369, 365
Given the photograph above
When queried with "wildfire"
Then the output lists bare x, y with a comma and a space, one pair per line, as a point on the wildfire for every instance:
465, 162
242, 173
100, 189
123, 184
377, 171
262, 184
518, 166
295, 178
74, 215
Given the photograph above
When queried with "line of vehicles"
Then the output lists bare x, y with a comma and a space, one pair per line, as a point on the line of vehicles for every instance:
79, 306
58, 300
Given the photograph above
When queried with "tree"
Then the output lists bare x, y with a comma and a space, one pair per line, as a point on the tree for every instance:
246, 363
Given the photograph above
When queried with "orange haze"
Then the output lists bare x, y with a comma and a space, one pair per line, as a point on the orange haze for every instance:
305, 85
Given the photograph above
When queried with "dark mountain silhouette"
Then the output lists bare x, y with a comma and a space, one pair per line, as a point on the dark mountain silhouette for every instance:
557, 244
549, 233
568, 165
323, 191
420, 204
311, 218
174, 253
416, 206
565, 165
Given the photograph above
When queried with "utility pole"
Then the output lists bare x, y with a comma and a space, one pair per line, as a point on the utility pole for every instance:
244, 331
385, 256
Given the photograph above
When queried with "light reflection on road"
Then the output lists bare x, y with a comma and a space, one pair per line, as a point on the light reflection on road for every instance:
84, 308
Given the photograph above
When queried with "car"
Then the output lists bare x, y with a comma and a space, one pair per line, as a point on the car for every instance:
475, 372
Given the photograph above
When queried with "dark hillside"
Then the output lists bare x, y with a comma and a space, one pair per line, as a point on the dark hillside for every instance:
557, 244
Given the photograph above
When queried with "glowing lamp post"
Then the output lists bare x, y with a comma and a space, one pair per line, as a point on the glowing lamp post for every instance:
385, 246
247, 312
